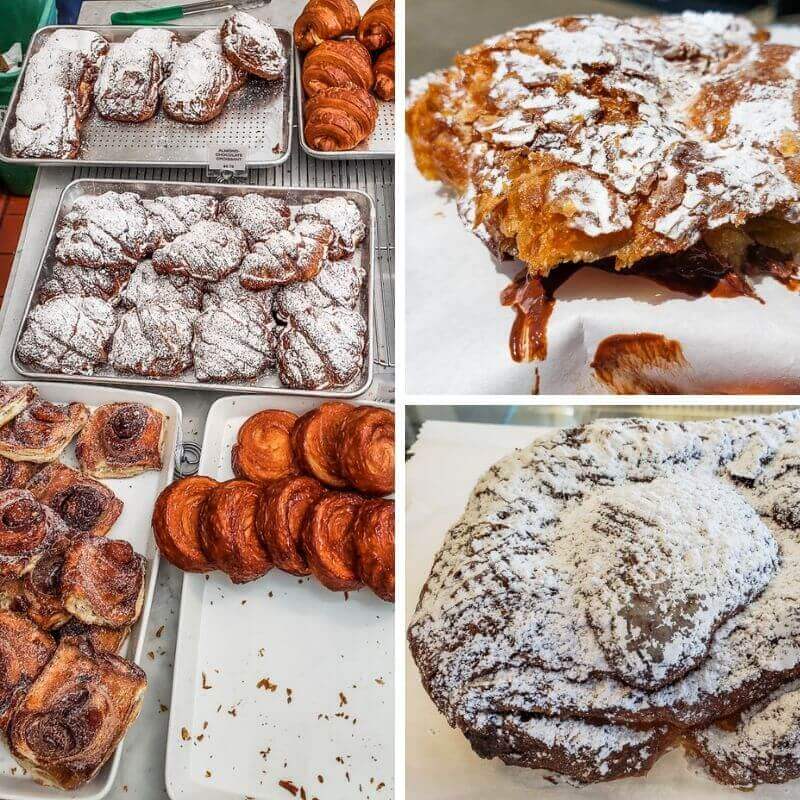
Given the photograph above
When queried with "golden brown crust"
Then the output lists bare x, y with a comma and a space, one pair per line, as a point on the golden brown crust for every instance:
263, 450
41, 588
337, 63
367, 450
176, 522
374, 543
16, 474
376, 29
325, 19
228, 531
108, 640
42, 431
15, 399
340, 118
316, 441
384, 74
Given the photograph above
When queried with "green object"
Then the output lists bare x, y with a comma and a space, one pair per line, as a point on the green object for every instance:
155, 16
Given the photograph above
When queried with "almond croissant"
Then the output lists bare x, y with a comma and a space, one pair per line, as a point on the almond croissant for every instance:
325, 19
337, 63
340, 118
384, 75
376, 29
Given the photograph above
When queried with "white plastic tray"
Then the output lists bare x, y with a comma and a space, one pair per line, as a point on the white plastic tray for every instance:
138, 495
300, 637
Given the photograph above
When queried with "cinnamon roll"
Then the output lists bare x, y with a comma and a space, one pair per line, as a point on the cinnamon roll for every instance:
102, 582
85, 505
316, 440
42, 431
328, 541
41, 588
12, 597
176, 523
374, 543
228, 531
366, 457
16, 474
75, 714
24, 650
284, 512
121, 440
263, 450
108, 640
15, 399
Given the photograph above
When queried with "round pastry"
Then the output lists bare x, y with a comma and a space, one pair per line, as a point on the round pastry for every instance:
258, 216
337, 63
376, 29
328, 541
176, 522
366, 455
317, 439
229, 531
41, 588
325, 19
374, 543
173, 215
253, 45
127, 86
344, 217
146, 286
16, 474
163, 41
263, 450
285, 508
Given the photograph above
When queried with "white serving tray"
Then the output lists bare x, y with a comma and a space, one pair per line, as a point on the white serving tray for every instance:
138, 495
300, 637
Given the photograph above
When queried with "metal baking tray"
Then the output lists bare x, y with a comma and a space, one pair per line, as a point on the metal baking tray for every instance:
256, 118
380, 144
268, 383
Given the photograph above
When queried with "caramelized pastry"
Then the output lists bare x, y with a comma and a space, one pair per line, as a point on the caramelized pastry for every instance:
42, 431
384, 74
208, 252
105, 284
321, 20
102, 581
366, 455
328, 541
316, 440
374, 543
258, 216
229, 534
85, 505
24, 650
16, 474
121, 440
176, 522
127, 86
15, 399
107, 640
344, 217
285, 508
75, 715
253, 46
339, 118
41, 588
337, 63
263, 450
376, 29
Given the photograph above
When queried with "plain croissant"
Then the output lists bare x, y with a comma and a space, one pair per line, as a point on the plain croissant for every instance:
340, 118
321, 20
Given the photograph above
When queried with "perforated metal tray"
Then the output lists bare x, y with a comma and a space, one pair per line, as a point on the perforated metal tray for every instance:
257, 118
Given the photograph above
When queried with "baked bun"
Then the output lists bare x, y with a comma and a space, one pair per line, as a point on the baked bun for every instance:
344, 216
366, 455
317, 439
173, 215
384, 74
263, 450
42, 431
66, 279
374, 544
253, 45
47, 123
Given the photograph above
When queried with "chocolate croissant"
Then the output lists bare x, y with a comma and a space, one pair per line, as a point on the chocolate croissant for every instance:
384, 75
337, 64
325, 19
376, 29
340, 118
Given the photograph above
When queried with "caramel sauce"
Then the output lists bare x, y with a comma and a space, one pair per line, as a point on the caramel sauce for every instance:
636, 363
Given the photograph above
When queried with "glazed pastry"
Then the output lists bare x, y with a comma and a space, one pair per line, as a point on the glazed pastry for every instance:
15, 399
208, 251
146, 286
87, 44
154, 339
42, 431
105, 284
374, 543
127, 86
121, 440
53, 67
28, 530
24, 650
328, 541
198, 86
68, 334
173, 215
108, 640
230, 289
376, 29
384, 74
322, 348
16, 474
344, 217
253, 46
228, 531
85, 505
263, 450
102, 582
337, 63
41, 588
233, 341
316, 440
366, 455
46, 124
75, 714
258, 216
163, 41
212, 41
176, 522
285, 509
325, 19
338, 283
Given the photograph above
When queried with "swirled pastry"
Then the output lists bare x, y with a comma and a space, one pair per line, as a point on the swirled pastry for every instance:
85, 505
339, 118
374, 544
46, 125
41, 588
75, 714
208, 251
285, 509
176, 522
14, 399
106, 284
16, 474
384, 74
103, 639
146, 286
366, 456
253, 46
173, 215
263, 450
325, 19
230, 289
344, 217
337, 63
229, 534
338, 283
376, 29
42, 431
165, 43
258, 216
11, 596
127, 86
316, 440
121, 440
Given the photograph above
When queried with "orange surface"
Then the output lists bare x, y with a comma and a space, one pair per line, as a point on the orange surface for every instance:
12, 215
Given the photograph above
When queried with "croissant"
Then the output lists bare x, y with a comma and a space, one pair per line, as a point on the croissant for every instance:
337, 64
340, 118
376, 29
325, 19
384, 75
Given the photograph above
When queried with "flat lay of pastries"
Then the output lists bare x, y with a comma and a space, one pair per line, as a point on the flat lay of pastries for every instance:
308, 498
621, 589
68, 593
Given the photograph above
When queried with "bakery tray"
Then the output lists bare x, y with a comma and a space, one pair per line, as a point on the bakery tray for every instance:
380, 144
267, 383
257, 118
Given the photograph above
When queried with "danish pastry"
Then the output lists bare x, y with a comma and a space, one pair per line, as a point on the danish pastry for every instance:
321, 20
102, 639
316, 440
75, 714
376, 29
366, 456
344, 217
15, 399
337, 63
146, 286
42, 431
263, 450
384, 74
163, 41
121, 440
253, 46
127, 86
41, 588
208, 251
176, 523
46, 125
374, 544
258, 216
105, 284
173, 215
339, 118
16, 474
229, 534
